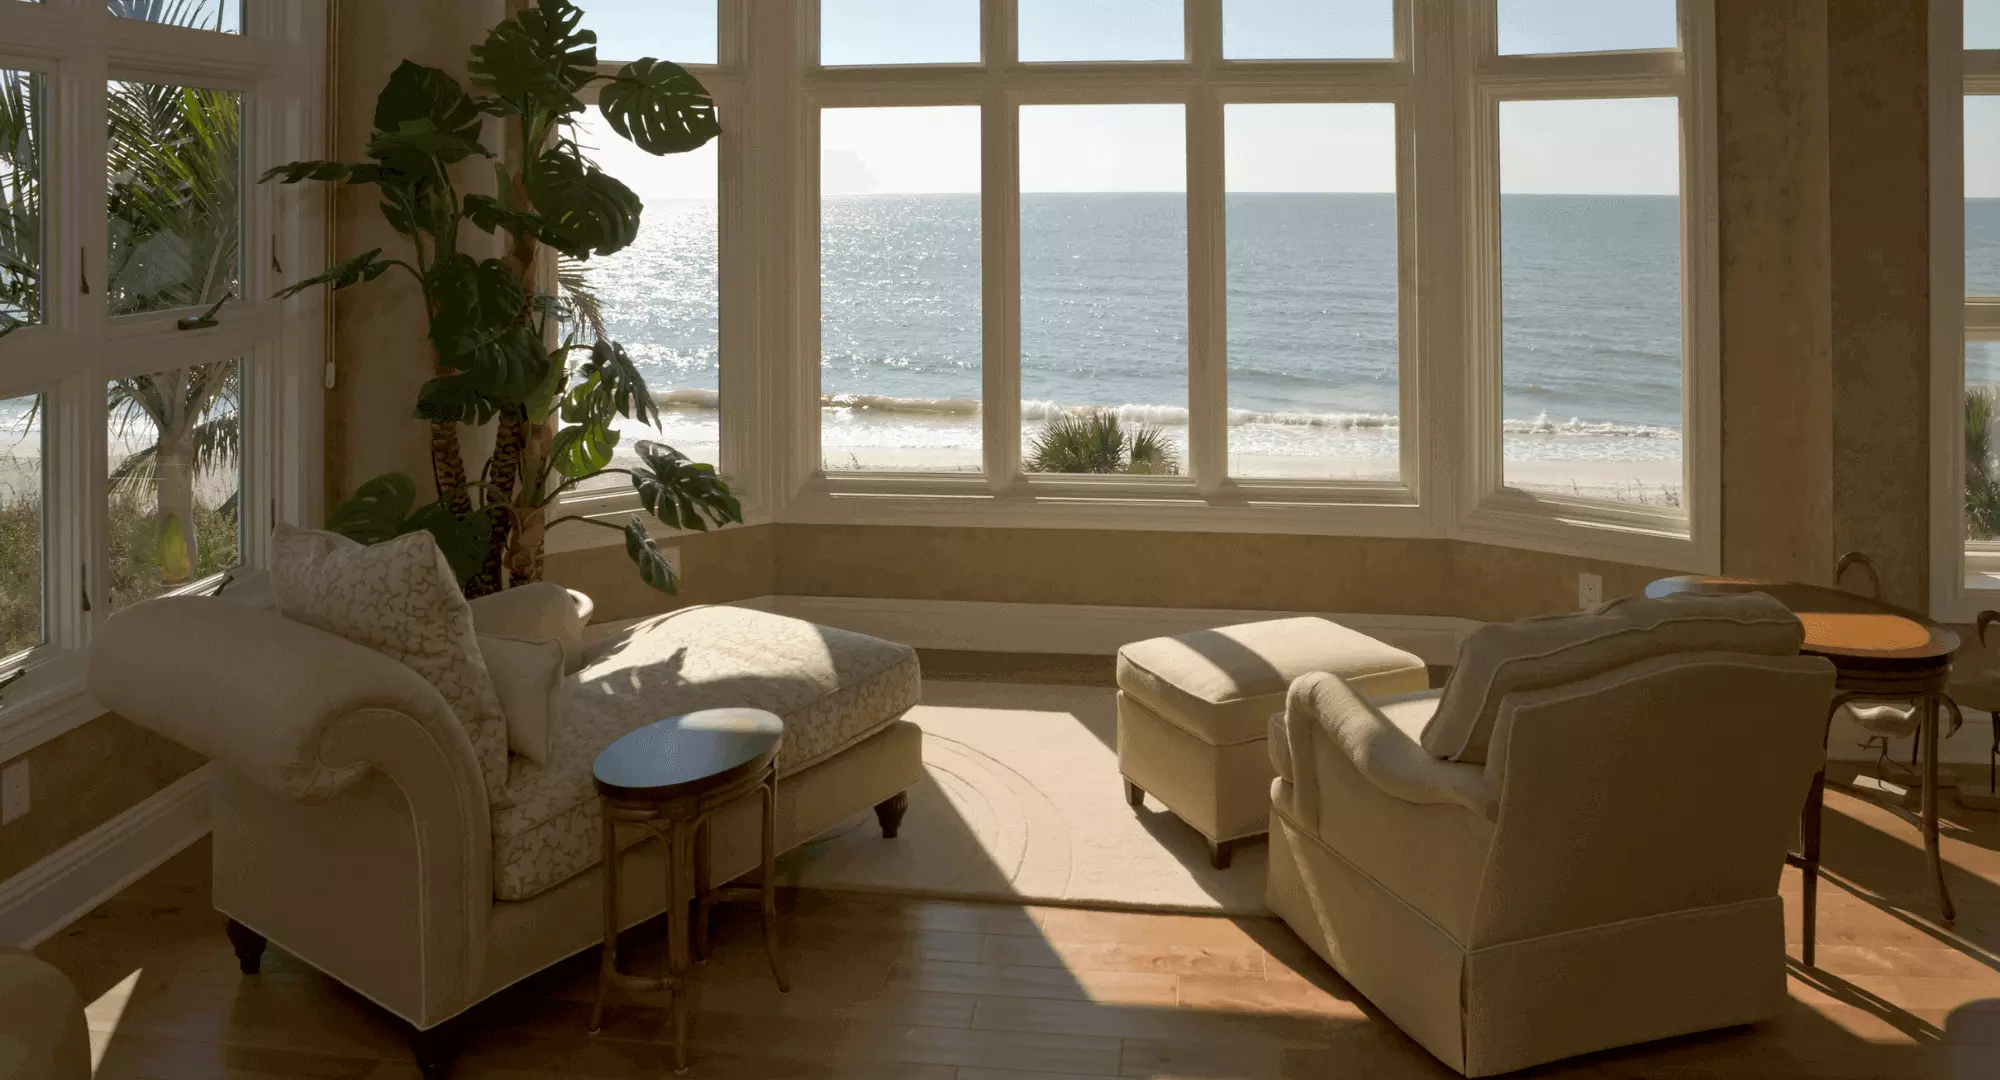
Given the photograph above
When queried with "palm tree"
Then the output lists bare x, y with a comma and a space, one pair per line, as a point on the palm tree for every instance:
20, 202
1093, 441
194, 415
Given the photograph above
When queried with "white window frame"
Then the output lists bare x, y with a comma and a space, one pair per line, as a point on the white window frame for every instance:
1444, 81
278, 64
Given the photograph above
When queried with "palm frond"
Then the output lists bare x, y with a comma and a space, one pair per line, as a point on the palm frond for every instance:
579, 299
1079, 441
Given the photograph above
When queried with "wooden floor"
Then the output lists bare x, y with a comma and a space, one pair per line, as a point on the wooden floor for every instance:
891, 989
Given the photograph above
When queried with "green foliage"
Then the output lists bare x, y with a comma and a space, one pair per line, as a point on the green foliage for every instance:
645, 554
1982, 485
488, 329
385, 508
20, 201
1093, 441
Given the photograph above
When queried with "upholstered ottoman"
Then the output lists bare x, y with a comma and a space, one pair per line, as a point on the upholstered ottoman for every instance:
1193, 712
42, 1034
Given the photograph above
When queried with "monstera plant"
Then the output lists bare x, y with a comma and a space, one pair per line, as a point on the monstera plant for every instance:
492, 353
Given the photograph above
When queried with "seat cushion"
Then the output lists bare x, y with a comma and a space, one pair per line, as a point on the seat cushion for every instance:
832, 688
1223, 685
1534, 654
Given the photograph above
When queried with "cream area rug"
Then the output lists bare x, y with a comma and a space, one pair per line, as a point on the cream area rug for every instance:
1022, 802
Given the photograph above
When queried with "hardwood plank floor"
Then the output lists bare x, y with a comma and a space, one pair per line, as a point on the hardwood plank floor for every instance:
890, 988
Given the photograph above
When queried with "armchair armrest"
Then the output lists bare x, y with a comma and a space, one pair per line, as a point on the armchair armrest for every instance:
1380, 751
275, 700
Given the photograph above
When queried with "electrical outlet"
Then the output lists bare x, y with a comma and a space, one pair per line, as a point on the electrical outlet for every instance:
13, 792
1589, 590
673, 555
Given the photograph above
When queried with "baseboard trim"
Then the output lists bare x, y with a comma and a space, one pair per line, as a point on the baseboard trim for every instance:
1078, 629
39, 902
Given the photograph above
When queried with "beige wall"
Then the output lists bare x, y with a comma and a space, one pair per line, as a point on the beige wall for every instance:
85, 778
1880, 224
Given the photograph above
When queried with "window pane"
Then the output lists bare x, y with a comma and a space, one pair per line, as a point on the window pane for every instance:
899, 32
1102, 30
175, 474
659, 296
900, 313
20, 199
223, 15
20, 525
175, 197
1308, 29
679, 30
1982, 196
1591, 295
1982, 451
1312, 291
1982, 24
1570, 26
1104, 288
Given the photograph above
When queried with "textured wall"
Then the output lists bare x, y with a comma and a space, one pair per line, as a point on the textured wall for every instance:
85, 778
381, 348
1777, 386
1880, 223
717, 567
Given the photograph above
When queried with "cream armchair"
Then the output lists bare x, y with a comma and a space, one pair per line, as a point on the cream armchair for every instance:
1606, 873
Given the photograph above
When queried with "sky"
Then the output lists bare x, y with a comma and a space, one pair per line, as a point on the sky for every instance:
1599, 147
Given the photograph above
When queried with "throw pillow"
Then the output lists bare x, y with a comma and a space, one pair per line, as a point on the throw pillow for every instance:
401, 599
537, 612
529, 678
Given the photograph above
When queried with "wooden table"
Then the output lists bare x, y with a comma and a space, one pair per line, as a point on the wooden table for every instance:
1880, 652
669, 778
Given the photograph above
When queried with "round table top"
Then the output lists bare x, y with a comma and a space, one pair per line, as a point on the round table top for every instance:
1838, 624
687, 755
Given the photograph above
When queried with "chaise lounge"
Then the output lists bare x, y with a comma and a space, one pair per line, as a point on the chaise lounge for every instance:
351, 823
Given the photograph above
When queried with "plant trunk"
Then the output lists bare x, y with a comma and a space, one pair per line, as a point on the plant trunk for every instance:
176, 547
504, 474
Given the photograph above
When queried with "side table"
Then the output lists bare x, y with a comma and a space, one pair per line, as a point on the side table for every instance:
669, 778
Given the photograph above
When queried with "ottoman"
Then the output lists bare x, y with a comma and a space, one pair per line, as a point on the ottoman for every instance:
1193, 712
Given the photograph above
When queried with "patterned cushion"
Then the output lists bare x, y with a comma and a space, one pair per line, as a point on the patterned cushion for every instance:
832, 688
402, 600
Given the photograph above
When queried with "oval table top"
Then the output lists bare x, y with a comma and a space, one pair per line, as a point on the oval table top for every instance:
1839, 624
687, 755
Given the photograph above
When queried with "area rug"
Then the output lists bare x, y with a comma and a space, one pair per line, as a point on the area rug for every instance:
1022, 802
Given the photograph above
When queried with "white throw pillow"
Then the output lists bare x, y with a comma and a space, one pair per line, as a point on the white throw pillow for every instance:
529, 677
401, 599
537, 612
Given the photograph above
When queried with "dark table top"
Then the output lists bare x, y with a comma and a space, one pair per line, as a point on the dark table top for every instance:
1839, 625
688, 755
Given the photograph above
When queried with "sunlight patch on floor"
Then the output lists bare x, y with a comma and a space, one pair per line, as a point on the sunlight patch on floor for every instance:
104, 1014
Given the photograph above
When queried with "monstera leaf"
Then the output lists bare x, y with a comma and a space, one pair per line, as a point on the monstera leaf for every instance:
659, 108
583, 209
424, 99
583, 449
538, 56
619, 379
645, 554
329, 171
680, 492
479, 327
380, 511
364, 267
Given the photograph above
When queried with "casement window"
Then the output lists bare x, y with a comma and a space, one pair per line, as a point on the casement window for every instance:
1377, 267
1965, 312
158, 412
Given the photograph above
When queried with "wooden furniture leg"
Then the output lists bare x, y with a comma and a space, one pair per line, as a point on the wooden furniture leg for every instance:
1135, 796
1930, 704
1808, 863
249, 946
1220, 852
889, 814
769, 888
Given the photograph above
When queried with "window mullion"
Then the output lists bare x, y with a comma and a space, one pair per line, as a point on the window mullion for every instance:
1208, 288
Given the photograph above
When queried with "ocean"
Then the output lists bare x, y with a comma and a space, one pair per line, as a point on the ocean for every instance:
1592, 326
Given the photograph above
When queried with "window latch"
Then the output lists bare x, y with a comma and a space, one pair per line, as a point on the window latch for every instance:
84, 586
276, 266
83, 269
206, 319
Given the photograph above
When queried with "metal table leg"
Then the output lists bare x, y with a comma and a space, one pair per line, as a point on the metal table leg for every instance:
1930, 704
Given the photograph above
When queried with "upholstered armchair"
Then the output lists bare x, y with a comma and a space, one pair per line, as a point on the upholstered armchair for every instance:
1575, 845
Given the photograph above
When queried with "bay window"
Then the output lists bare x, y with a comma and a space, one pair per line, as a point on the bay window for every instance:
158, 413
1965, 283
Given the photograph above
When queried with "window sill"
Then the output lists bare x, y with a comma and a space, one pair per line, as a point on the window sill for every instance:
1583, 528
